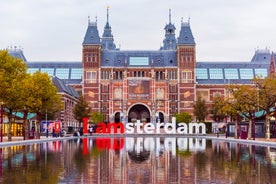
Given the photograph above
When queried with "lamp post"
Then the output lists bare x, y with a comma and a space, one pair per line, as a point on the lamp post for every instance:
47, 132
253, 124
226, 128
2, 116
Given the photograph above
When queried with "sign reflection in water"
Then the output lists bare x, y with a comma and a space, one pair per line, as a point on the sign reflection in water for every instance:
138, 160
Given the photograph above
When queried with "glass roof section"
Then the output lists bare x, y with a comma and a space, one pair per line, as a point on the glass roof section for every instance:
201, 73
32, 70
261, 72
231, 73
62, 73
216, 73
49, 71
76, 73
246, 73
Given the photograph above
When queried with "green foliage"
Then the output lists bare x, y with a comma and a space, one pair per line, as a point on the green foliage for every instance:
183, 117
81, 110
200, 109
97, 117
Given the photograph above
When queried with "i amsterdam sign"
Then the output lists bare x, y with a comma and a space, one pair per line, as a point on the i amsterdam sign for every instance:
152, 128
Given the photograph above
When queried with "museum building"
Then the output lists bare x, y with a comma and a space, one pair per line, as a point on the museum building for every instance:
146, 85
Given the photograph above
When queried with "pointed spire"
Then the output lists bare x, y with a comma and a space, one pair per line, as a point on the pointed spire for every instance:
170, 16
88, 20
107, 14
272, 65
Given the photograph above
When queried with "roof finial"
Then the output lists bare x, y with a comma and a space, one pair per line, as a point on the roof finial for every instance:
107, 13
189, 20
96, 18
169, 15
88, 20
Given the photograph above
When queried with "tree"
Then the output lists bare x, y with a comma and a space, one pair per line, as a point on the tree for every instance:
217, 108
266, 90
243, 100
200, 109
81, 110
12, 72
184, 117
42, 96
97, 117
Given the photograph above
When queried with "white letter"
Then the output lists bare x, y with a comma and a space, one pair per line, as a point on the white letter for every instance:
182, 128
197, 125
148, 128
158, 126
138, 126
166, 128
129, 128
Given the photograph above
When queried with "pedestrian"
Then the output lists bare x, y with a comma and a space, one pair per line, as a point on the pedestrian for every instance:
54, 135
90, 130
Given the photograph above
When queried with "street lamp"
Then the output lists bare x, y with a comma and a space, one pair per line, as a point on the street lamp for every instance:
226, 128
253, 124
47, 132
2, 117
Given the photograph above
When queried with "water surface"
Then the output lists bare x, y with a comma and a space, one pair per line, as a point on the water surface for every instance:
137, 160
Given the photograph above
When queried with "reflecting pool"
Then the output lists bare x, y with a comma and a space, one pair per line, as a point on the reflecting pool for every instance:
138, 160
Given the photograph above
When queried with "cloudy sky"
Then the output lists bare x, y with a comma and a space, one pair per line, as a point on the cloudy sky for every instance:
53, 30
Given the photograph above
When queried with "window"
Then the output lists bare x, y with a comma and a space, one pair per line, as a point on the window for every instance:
231, 73
261, 72
32, 70
91, 77
172, 88
76, 73
62, 73
172, 75
246, 73
49, 71
187, 77
216, 73
201, 73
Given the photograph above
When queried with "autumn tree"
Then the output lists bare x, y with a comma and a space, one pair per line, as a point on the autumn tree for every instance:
243, 101
266, 91
42, 96
81, 110
12, 72
97, 117
200, 109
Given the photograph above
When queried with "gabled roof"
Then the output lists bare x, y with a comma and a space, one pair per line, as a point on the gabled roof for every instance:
92, 34
63, 88
186, 36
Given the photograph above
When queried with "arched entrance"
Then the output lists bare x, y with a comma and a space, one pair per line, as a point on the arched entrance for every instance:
139, 112
117, 117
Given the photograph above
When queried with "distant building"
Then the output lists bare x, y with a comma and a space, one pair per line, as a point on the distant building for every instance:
150, 85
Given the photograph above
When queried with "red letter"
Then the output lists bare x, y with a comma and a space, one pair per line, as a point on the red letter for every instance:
116, 126
101, 128
85, 121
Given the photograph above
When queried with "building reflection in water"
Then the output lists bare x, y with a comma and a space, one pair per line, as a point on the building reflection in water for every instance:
137, 160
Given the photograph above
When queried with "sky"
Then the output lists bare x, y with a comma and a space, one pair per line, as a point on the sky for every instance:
53, 30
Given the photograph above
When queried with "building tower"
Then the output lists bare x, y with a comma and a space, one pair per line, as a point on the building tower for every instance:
186, 57
169, 43
91, 59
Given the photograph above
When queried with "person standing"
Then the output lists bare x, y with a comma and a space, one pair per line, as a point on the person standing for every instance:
90, 130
